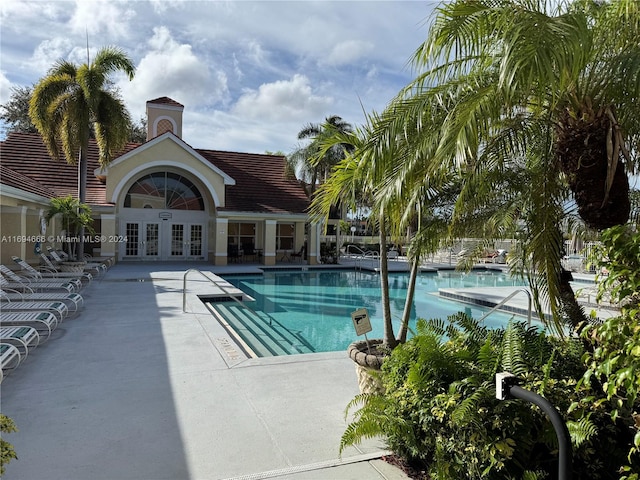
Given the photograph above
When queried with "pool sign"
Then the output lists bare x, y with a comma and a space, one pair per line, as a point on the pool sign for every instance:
361, 321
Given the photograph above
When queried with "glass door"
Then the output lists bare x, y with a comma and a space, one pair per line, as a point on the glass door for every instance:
132, 244
195, 240
177, 241
151, 240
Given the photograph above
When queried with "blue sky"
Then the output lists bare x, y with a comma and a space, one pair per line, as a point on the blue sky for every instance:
250, 74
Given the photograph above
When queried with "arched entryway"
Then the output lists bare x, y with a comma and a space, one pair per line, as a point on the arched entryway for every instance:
163, 216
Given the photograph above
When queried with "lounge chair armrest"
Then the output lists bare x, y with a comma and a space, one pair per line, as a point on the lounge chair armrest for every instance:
11, 290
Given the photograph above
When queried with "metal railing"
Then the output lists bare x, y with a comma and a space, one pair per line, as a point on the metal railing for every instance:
232, 296
509, 297
362, 256
211, 280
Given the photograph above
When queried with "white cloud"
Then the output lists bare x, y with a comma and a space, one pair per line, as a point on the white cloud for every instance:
50, 51
283, 100
172, 69
5, 88
347, 52
96, 17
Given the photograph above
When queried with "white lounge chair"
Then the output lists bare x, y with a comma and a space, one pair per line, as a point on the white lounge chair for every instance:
58, 308
43, 322
73, 300
49, 271
97, 267
108, 261
9, 358
23, 338
16, 281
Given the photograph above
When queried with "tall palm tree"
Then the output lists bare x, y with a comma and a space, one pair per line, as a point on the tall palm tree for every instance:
357, 178
71, 101
313, 162
533, 103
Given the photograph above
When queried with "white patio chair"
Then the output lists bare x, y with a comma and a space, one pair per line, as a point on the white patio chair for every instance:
73, 300
44, 322
58, 308
49, 271
23, 338
17, 282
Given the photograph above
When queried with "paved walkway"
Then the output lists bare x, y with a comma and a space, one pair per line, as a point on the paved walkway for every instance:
133, 388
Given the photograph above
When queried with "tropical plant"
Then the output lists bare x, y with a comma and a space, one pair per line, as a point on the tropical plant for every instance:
75, 218
439, 412
533, 105
614, 360
72, 101
7, 453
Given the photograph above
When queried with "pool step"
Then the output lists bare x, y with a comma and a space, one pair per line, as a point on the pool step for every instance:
263, 334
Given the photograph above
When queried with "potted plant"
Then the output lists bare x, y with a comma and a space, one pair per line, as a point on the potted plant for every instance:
75, 217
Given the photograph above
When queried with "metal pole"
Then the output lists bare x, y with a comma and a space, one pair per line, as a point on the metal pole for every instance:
565, 453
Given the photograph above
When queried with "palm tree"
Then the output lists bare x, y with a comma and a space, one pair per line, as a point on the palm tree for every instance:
357, 178
71, 101
533, 104
75, 217
315, 167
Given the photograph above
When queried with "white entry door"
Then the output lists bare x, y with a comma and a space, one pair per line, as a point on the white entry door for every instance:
164, 240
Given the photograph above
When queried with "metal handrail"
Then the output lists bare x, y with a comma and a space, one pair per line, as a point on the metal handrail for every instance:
184, 289
509, 297
242, 304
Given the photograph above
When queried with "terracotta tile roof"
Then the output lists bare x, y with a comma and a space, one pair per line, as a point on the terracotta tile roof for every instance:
26, 154
165, 101
261, 186
260, 183
17, 180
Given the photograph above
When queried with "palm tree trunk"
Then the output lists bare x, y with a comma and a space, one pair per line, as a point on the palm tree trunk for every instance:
82, 191
570, 308
389, 337
408, 304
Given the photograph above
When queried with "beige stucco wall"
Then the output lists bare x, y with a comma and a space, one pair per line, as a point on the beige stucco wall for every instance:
20, 228
166, 154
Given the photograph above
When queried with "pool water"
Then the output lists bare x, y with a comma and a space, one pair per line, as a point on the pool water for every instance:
317, 305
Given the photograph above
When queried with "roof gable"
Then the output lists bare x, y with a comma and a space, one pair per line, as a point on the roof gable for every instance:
165, 137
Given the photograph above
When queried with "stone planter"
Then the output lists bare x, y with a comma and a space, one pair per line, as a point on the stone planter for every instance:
367, 364
74, 267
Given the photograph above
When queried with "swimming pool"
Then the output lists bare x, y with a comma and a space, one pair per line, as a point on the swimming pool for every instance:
316, 305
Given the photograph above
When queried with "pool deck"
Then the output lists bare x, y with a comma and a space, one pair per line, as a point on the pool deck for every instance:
132, 387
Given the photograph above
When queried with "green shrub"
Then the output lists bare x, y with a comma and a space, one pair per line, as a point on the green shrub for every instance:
7, 453
440, 413
613, 360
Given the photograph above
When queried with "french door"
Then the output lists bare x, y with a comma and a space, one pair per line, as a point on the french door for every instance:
164, 241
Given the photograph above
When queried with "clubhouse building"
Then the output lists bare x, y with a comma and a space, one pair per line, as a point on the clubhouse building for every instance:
161, 200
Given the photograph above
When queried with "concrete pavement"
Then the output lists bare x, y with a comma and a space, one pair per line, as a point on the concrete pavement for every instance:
133, 388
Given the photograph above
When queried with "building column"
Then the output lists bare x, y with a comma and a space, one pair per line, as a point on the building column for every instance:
314, 243
269, 253
109, 246
221, 238
298, 237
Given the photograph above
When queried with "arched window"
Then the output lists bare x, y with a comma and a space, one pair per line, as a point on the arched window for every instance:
165, 190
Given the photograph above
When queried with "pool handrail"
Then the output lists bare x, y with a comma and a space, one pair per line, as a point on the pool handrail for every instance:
232, 296
506, 299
